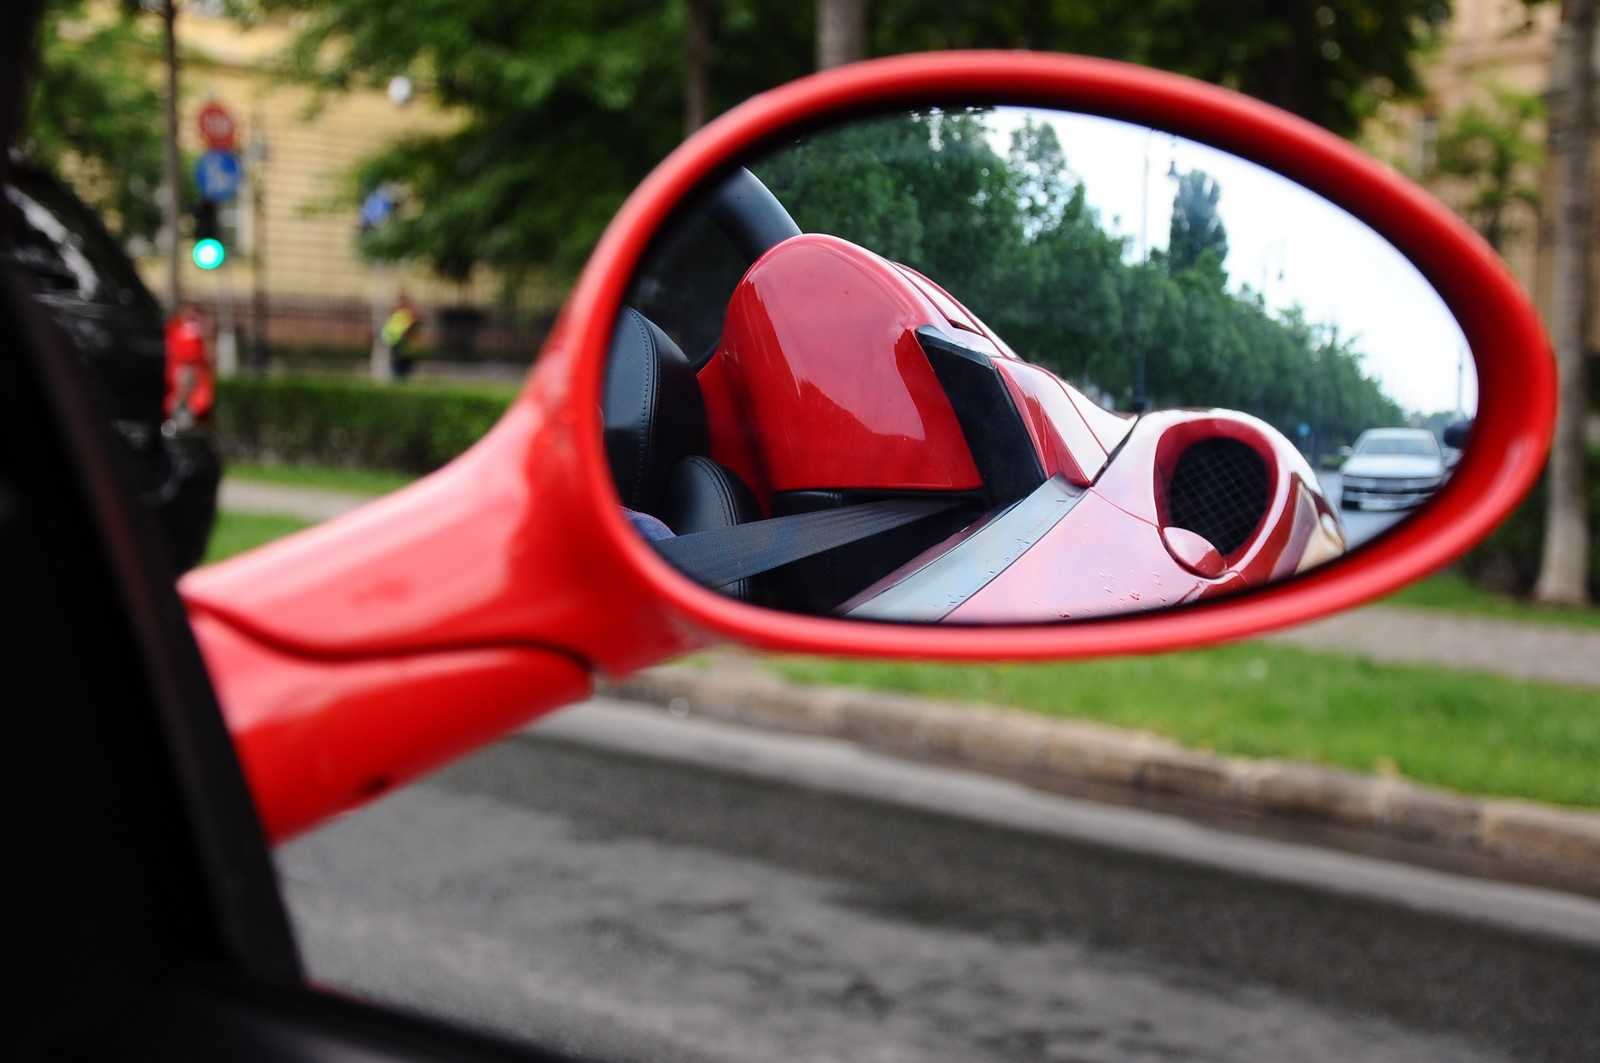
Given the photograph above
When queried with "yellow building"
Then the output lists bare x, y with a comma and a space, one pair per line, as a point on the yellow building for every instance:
294, 223
1488, 47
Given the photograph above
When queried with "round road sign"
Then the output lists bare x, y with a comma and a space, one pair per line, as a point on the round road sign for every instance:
217, 173
217, 127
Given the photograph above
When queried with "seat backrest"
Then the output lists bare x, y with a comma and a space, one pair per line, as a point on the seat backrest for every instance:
654, 415
657, 439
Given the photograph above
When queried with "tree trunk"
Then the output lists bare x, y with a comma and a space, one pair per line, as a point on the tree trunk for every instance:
1563, 566
173, 206
841, 32
1494, 227
697, 65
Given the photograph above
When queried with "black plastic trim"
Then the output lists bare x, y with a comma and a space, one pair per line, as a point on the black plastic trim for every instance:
1001, 447
749, 214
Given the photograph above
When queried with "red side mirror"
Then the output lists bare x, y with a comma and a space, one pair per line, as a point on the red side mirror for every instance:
362, 652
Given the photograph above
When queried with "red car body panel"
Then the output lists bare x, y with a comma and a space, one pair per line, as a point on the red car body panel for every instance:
521, 545
820, 383
827, 386
1116, 551
187, 356
1063, 439
355, 728
1098, 561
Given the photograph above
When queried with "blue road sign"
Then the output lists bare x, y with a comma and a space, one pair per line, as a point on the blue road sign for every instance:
377, 207
217, 173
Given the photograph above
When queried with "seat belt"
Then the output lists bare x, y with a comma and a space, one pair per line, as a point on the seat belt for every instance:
721, 556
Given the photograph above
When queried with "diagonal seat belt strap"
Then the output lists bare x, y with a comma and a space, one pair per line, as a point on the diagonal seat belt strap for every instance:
722, 556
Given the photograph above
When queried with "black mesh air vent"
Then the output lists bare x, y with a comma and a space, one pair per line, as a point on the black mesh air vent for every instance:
1218, 490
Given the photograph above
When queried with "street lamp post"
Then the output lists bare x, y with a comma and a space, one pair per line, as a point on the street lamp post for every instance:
256, 153
1141, 397
375, 210
172, 205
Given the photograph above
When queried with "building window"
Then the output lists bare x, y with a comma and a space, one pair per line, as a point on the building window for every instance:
1426, 158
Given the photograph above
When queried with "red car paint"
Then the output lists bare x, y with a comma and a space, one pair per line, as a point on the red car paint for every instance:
1115, 552
822, 384
520, 545
826, 384
191, 381
799, 391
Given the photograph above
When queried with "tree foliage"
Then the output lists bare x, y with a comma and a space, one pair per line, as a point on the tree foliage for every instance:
1493, 149
1331, 63
570, 102
1196, 229
95, 113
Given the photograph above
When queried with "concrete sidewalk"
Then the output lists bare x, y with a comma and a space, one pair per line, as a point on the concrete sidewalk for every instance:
1545, 653
1386, 634
307, 503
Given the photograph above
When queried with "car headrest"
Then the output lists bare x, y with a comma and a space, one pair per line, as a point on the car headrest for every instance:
654, 414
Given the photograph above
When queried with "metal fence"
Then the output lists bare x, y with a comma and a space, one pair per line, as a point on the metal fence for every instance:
326, 328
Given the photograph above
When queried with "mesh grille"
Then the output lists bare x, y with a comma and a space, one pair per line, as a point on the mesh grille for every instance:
1219, 490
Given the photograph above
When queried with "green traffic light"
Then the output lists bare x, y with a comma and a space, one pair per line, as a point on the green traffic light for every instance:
208, 253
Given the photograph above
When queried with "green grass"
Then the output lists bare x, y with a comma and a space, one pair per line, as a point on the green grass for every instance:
234, 533
359, 481
1452, 593
1465, 731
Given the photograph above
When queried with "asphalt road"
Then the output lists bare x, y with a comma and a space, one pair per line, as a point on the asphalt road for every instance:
626, 885
1359, 524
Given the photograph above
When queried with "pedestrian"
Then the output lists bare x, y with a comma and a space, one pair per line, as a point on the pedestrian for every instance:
402, 333
191, 378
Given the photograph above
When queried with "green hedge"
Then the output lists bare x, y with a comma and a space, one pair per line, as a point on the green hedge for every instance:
411, 427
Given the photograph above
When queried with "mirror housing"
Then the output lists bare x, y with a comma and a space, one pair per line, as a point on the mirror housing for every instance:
1512, 354
514, 572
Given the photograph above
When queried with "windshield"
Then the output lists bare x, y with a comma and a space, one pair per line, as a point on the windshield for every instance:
1419, 446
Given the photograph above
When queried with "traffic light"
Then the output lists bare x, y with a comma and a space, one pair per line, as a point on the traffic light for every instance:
208, 250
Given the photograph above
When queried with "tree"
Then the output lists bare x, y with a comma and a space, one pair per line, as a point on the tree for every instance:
567, 105
860, 181
1564, 563
1012, 236
95, 113
841, 32
1331, 63
569, 102
696, 64
171, 182
1490, 149
1196, 228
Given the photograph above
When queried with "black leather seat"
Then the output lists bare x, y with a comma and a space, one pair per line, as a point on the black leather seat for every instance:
657, 439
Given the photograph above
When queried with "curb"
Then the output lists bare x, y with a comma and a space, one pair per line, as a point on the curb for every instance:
1522, 839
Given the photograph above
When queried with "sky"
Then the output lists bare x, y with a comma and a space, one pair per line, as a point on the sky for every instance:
1283, 239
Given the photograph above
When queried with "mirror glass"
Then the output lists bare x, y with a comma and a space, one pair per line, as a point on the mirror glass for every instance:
1009, 365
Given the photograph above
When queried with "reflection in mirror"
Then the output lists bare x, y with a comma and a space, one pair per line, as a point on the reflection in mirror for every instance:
1008, 366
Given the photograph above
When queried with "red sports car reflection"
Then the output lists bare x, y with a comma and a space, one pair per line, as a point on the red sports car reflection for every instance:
842, 380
